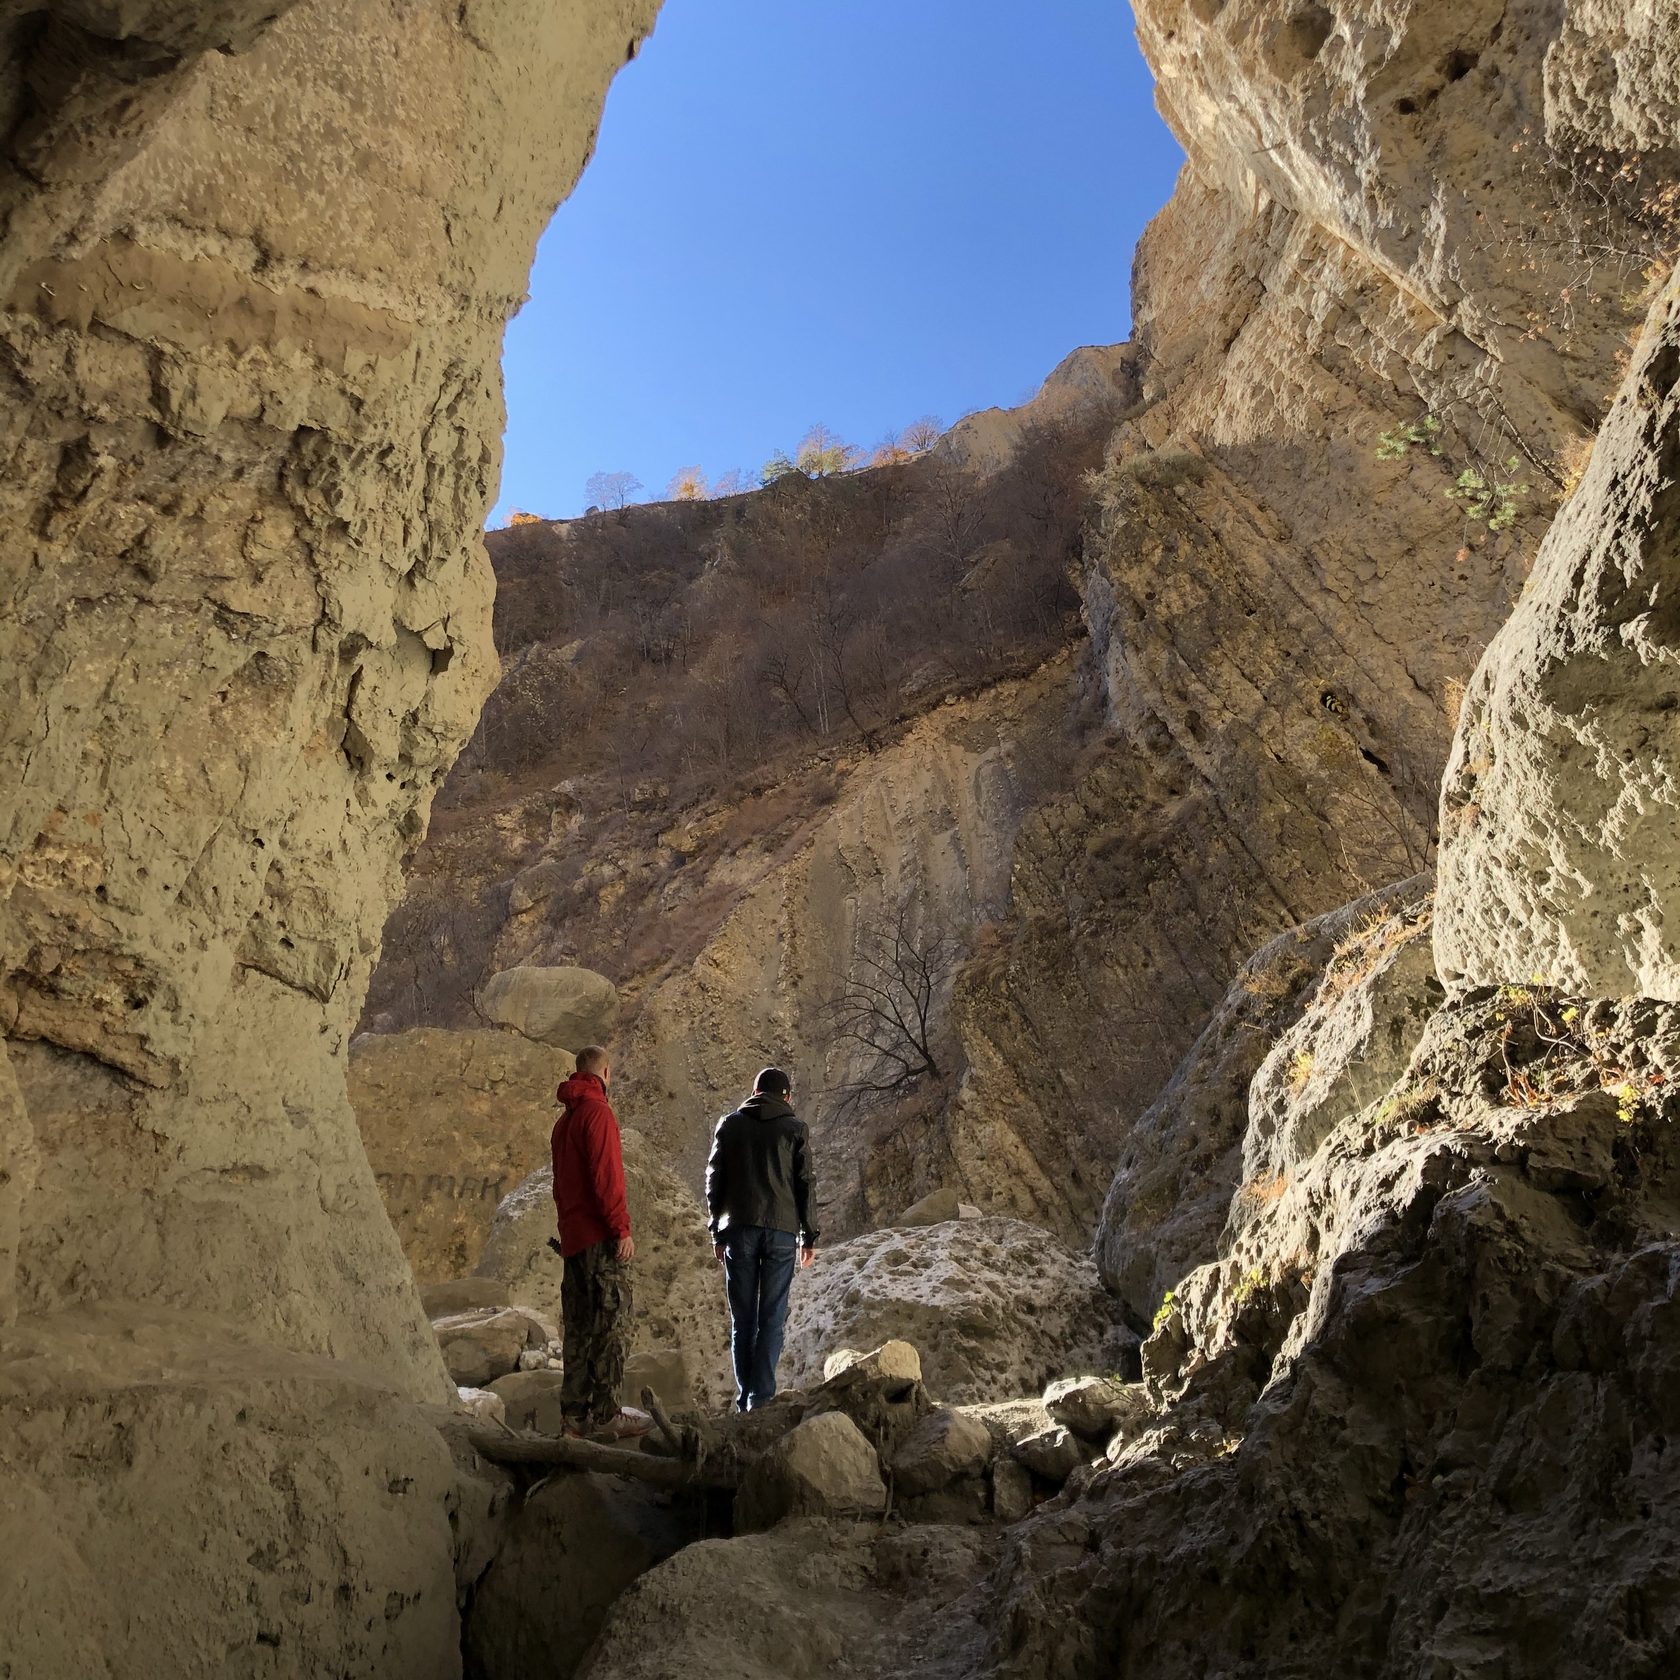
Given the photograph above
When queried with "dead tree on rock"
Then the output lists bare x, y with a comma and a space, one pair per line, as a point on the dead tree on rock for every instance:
883, 1011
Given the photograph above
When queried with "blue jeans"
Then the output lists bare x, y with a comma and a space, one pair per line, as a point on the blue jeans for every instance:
759, 1268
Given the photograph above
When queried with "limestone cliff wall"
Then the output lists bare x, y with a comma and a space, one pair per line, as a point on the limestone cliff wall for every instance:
1389, 210
257, 263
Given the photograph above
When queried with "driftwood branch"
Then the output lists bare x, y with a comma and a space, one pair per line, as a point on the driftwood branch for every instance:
566, 1453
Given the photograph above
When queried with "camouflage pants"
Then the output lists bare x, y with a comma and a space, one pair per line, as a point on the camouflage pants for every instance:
595, 1309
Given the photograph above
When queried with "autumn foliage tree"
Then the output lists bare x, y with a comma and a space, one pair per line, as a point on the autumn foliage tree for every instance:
688, 484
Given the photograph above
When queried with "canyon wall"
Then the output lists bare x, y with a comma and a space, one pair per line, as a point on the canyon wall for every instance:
258, 260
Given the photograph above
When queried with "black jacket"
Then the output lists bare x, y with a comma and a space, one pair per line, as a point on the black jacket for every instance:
760, 1170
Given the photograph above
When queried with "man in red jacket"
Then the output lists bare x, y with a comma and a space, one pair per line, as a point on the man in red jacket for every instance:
596, 1244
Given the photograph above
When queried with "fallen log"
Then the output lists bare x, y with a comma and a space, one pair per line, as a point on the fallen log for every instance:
568, 1453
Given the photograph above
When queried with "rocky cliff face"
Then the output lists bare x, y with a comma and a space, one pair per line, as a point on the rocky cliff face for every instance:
257, 264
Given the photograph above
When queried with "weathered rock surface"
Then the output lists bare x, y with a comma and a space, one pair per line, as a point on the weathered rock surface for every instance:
676, 1283
479, 1346
451, 1121
531, 1400
570, 1550
824, 1467
1095, 1407
995, 1307
845, 1597
1395, 1388
256, 267
567, 1007
1182, 1160
279, 1472
946, 1446
1558, 860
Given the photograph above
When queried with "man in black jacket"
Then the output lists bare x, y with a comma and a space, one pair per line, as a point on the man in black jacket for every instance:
758, 1188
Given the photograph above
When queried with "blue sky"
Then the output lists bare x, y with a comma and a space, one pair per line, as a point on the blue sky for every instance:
855, 213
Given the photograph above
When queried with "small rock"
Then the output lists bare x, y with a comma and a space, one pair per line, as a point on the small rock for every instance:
891, 1360
531, 1400
1011, 1490
1095, 1407
482, 1404
945, 1447
822, 1468
534, 1359
666, 1372
932, 1209
881, 1392
1054, 1454
480, 1346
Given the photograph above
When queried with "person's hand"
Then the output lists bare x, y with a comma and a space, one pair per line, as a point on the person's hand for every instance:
721, 1251
806, 1256
627, 1248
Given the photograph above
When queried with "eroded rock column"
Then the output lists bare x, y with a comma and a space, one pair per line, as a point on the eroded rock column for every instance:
258, 261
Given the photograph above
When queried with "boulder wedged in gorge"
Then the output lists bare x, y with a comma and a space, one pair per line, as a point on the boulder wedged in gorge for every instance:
567, 1007
995, 1307
1559, 856
256, 267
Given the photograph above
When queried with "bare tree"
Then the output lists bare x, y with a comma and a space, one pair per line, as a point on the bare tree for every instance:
821, 453
883, 1011
688, 484
611, 489
833, 624
921, 435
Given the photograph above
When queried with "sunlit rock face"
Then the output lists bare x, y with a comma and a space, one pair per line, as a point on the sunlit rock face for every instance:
1391, 209
1559, 857
257, 263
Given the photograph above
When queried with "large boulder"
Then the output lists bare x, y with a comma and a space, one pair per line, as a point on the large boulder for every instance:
822, 1468
451, 1122
676, 1283
946, 1446
572, 1547
531, 1400
1095, 1407
996, 1307
564, 1007
459, 1295
810, 1600
482, 1345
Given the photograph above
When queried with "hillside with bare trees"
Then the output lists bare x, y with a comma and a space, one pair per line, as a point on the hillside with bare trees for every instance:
664, 663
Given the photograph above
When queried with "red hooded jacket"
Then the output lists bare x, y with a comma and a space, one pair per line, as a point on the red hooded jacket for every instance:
588, 1166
